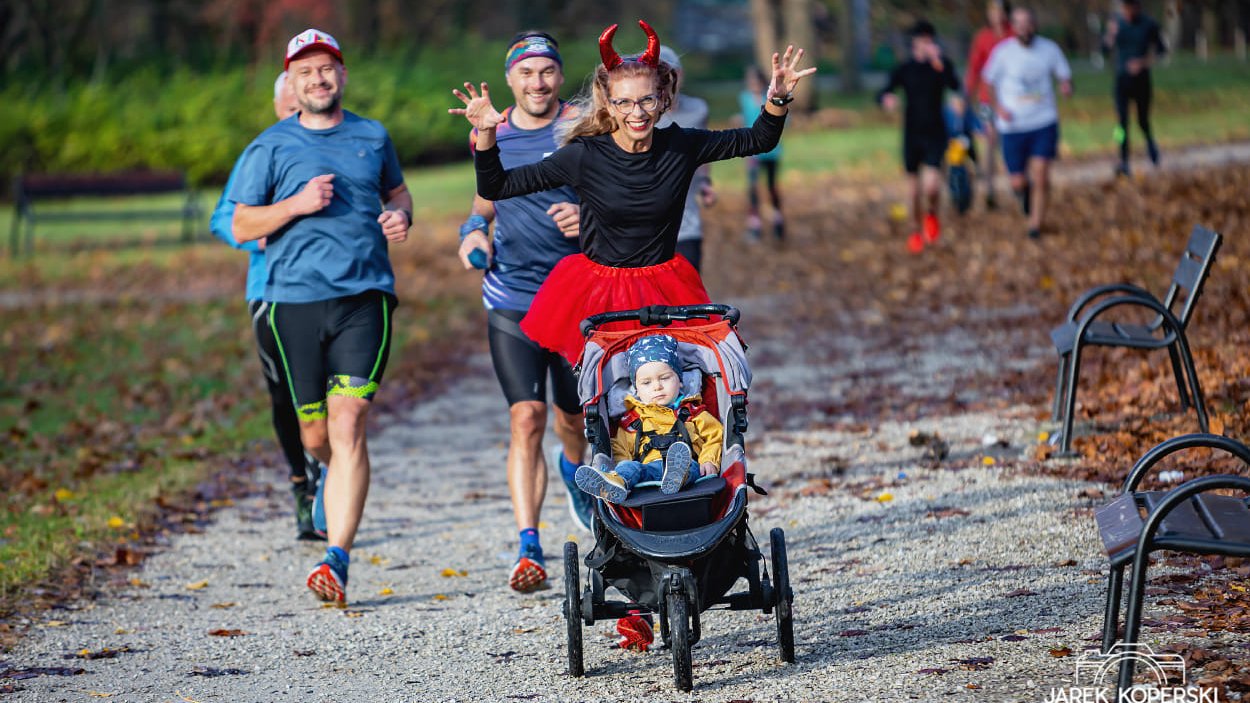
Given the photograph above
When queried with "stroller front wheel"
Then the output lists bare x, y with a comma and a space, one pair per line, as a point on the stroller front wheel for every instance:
573, 609
783, 608
679, 633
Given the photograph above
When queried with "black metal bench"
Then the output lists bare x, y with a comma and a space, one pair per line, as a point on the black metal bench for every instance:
28, 189
1186, 519
1084, 327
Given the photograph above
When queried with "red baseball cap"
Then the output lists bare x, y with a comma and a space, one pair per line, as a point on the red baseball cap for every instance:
311, 39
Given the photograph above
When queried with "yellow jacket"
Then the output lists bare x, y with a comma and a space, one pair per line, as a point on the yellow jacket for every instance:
706, 432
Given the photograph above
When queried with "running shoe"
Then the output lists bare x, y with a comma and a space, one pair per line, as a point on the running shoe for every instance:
753, 228
779, 226
676, 468
304, 498
932, 229
580, 506
915, 243
608, 485
528, 573
636, 632
1035, 233
328, 580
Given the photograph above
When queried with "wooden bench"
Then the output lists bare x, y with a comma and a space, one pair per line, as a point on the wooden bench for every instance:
1186, 519
28, 189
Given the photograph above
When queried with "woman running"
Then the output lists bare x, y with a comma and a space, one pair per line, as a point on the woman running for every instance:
632, 181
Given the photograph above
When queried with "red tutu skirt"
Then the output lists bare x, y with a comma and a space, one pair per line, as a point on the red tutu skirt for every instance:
578, 288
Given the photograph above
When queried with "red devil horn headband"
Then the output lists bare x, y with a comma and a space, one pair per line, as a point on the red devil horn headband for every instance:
611, 59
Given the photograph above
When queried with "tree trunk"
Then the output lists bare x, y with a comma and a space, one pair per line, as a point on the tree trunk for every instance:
852, 22
800, 32
764, 18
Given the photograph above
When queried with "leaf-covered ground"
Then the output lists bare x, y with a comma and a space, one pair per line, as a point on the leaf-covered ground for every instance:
122, 368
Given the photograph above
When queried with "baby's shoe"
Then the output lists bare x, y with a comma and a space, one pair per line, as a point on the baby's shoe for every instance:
608, 485
676, 468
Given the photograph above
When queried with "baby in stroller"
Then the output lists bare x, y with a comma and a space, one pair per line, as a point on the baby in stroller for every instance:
664, 436
672, 555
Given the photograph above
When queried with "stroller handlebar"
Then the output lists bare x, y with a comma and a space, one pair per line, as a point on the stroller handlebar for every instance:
662, 315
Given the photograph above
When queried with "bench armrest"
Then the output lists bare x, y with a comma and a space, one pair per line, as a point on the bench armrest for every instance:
1178, 444
1088, 296
1166, 318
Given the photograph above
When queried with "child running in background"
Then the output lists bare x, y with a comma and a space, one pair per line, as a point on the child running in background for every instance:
660, 432
924, 77
749, 100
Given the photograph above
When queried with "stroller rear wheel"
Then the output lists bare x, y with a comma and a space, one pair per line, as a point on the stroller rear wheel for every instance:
679, 639
784, 603
573, 609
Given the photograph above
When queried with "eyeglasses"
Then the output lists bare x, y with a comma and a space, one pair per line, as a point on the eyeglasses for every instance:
625, 106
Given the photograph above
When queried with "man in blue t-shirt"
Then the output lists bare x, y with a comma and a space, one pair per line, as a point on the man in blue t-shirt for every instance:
325, 191
305, 470
532, 233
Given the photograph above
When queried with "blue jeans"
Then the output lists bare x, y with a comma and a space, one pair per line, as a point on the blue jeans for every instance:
636, 472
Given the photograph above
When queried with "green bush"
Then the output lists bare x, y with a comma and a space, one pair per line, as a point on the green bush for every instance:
199, 121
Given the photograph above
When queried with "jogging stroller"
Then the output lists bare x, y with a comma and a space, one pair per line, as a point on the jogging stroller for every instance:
674, 555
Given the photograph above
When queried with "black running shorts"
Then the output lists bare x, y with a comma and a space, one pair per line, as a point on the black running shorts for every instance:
924, 149
333, 347
522, 366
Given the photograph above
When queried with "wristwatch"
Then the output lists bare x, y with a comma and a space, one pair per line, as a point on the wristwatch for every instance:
782, 102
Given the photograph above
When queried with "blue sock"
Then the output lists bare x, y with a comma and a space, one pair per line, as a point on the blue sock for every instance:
567, 467
338, 553
529, 543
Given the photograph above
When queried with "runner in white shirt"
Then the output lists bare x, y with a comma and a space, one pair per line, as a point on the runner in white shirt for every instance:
1020, 76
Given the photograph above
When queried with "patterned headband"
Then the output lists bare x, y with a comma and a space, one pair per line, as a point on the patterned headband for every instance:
530, 47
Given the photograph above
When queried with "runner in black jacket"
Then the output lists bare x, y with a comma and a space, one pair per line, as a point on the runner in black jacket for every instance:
924, 78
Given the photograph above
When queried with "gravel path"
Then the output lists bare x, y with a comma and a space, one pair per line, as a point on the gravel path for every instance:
959, 585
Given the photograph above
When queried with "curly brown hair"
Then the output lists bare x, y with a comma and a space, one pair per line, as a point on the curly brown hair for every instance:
592, 114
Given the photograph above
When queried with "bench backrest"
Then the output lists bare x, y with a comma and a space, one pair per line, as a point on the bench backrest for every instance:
1191, 272
33, 186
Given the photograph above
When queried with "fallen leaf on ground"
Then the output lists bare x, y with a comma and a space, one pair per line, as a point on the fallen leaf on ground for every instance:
226, 633
197, 586
223, 606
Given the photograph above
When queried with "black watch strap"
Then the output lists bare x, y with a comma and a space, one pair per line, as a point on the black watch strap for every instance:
782, 102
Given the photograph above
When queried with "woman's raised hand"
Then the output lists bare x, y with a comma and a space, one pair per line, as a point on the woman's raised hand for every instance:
786, 73
477, 108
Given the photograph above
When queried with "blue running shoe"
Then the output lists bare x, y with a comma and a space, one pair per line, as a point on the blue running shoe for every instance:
580, 506
676, 468
529, 573
329, 579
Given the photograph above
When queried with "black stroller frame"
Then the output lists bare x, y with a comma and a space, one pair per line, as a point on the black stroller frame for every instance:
688, 549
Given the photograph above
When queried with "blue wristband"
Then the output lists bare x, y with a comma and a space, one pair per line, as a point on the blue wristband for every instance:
475, 223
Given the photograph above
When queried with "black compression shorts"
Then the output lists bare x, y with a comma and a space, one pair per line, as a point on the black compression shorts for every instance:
522, 366
333, 347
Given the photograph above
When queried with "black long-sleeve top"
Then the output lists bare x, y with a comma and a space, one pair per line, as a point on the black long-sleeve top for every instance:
631, 204
922, 87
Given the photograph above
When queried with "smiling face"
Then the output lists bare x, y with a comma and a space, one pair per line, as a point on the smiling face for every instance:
636, 104
535, 84
318, 79
657, 383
